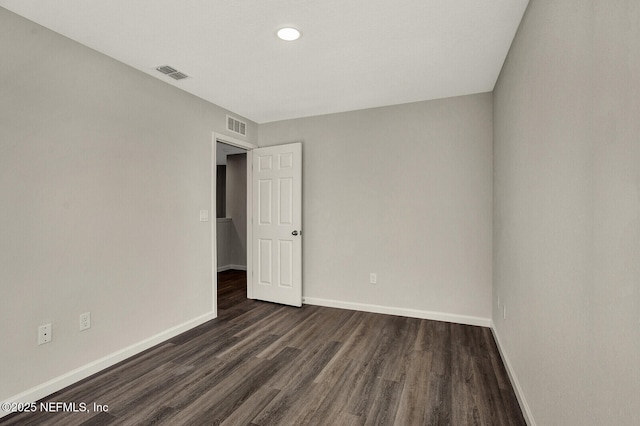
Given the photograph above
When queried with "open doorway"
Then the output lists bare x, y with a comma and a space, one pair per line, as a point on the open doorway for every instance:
231, 207
231, 221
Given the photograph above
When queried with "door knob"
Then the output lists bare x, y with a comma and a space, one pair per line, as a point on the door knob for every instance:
294, 233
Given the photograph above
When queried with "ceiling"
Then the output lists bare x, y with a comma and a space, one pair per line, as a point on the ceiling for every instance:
353, 54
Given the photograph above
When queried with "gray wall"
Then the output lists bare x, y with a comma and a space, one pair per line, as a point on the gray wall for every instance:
223, 237
237, 208
567, 211
103, 171
402, 191
232, 231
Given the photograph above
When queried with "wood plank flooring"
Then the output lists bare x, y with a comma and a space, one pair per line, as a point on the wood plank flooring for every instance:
264, 364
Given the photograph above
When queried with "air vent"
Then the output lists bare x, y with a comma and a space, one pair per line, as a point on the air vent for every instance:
178, 75
236, 126
172, 72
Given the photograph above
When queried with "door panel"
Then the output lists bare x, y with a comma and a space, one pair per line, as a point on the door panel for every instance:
264, 205
276, 233
265, 259
286, 202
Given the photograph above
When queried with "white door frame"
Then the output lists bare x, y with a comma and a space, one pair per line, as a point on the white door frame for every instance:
219, 137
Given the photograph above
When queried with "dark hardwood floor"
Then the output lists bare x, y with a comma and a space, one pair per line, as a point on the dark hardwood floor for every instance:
264, 364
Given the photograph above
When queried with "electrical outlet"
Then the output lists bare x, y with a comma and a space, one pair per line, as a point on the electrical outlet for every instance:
373, 278
498, 301
44, 334
504, 311
85, 321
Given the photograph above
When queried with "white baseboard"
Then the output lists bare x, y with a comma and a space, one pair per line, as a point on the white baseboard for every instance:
38, 392
526, 410
404, 312
227, 267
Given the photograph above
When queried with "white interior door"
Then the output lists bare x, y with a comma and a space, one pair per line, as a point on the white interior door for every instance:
276, 236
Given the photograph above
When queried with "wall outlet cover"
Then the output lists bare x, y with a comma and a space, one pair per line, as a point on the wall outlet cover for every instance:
44, 334
85, 321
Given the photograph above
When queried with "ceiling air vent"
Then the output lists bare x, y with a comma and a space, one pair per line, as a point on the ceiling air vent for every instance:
172, 72
236, 126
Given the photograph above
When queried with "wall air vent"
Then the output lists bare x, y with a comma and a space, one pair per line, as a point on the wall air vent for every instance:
172, 72
236, 126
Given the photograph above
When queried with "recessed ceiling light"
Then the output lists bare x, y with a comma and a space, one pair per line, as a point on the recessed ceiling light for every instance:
288, 34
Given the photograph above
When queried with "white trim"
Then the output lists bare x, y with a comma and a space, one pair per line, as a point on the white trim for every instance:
249, 224
232, 266
405, 312
219, 137
47, 388
526, 410
214, 226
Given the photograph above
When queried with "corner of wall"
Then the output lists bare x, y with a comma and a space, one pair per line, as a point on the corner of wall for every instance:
524, 406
